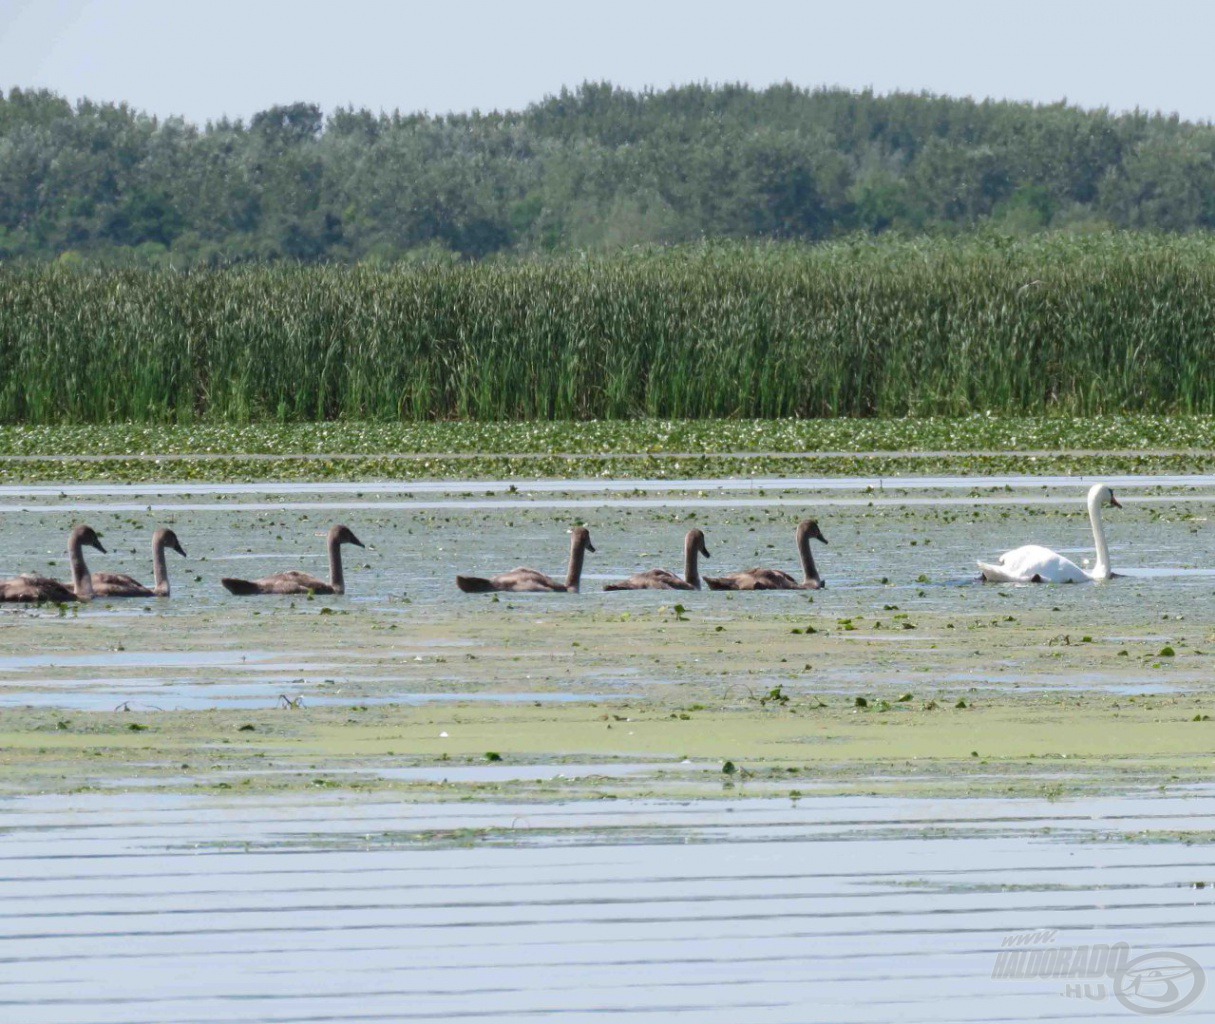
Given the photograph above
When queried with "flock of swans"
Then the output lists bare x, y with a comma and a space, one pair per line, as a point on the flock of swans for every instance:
1028, 564
523, 580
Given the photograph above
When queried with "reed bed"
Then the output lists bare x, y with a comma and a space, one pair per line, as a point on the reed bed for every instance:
1051, 326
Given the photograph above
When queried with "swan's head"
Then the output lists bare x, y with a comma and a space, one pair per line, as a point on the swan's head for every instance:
1100, 495
695, 541
167, 538
809, 528
86, 535
344, 535
580, 539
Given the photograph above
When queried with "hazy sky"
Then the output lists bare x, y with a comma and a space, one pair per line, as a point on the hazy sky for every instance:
234, 57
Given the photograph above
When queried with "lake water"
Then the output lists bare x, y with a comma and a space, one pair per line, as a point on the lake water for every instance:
183, 908
137, 910
911, 544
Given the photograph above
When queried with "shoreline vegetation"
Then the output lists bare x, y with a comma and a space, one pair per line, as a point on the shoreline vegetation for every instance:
639, 449
1053, 326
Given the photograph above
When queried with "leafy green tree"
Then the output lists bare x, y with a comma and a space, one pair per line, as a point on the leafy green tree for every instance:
594, 167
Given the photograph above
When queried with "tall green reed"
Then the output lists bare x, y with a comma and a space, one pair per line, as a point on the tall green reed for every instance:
1052, 325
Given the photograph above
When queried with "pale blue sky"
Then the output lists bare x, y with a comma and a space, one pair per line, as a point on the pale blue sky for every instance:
234, 57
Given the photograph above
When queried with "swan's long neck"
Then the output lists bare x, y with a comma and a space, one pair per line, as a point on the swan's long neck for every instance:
159, 570
1101, 569
81, 579
574, 577
809, 572
691, 562
336, 578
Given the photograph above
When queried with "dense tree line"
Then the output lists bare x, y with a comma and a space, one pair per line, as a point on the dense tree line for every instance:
594, 168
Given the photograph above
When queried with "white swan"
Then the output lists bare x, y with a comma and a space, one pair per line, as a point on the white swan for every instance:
1035, 564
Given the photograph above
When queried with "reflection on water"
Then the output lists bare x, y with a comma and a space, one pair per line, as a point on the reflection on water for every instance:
173, 909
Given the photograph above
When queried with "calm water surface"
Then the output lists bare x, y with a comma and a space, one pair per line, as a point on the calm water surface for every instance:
146, 908
167, 910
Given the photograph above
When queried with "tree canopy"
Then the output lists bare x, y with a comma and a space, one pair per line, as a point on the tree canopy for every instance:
594, 168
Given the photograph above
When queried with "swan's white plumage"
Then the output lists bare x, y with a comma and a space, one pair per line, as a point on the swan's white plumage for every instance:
1022, 564
1033, 563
